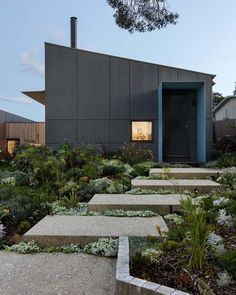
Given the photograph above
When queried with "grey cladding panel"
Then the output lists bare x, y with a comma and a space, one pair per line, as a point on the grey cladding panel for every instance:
167, 74
119, 88
143, 90
209, 148
58, 131
93, 131
209, 130
120, 131
60, 85
187, 76
93, 85
208, 79
208, 101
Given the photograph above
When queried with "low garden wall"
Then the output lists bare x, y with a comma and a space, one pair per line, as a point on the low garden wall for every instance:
129, 285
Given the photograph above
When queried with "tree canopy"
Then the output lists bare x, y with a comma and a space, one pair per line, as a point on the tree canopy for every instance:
142, 15
217, 98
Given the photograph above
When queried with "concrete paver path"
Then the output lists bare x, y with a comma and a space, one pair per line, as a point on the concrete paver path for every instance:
163, 204
186, 173
180, 185
56, 274
62, 230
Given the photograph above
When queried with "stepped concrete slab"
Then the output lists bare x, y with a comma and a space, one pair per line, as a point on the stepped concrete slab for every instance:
186, 173
163, 204
62, 230
179, 185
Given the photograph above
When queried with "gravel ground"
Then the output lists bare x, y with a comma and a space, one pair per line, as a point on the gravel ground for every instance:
56, 274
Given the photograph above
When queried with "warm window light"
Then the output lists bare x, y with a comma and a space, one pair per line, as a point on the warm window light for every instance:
141, 130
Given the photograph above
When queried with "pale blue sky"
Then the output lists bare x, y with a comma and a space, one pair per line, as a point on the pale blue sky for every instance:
203, 40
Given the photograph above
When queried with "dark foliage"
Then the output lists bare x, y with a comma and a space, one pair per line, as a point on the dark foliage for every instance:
142, 15
229, 262
227, 144
217, 98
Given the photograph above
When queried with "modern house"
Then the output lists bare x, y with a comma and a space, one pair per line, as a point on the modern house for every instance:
225, 117
226, 109
16, 130
102, 99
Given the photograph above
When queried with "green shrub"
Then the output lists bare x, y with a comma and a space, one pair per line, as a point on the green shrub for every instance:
134, 154
68, 154
107, 247
228, 261
228, 179
141, 264
92, 168
105, 185
25, 155
24, 248
24, 226
24, 204
20, 177
176, 233
170, 245
227, 144
142, 169
226, 160
112, 167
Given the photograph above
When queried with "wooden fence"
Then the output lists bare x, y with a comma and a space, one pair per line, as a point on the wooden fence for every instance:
226, 127
33, 133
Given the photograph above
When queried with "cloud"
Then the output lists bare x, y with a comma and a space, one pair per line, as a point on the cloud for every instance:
31, 64
17, 99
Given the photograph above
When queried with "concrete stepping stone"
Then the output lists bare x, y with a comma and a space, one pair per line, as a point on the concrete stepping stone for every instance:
162, 204
186, 173
61, 230
179, 185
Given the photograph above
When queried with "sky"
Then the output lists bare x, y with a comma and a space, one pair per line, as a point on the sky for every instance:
203, 40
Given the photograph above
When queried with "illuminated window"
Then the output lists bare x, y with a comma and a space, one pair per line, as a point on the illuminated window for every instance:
11, 146
141, 130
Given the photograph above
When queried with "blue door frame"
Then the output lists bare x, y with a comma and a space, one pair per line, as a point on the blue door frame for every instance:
201, 123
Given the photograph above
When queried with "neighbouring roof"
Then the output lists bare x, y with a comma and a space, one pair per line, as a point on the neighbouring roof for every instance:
36, 95
223, 102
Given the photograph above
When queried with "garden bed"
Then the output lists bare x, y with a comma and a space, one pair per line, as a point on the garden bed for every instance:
198, 255
168, 279
127, 284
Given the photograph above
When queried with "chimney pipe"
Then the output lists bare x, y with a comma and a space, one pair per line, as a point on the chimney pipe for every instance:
73, 31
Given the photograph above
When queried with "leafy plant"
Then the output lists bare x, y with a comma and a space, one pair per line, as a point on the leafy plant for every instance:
24, 247
68, 154
228, 179
71, 188
103, 247
133, 154
20, 178
228, 261
142, 169
226, 160
24, 226
196, 219
227, 144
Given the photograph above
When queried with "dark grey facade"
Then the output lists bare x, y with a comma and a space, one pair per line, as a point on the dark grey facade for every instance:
93, 98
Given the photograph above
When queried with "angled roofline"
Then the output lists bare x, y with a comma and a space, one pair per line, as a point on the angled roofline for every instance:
223, 102
130, 59
9, 113
39, 96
